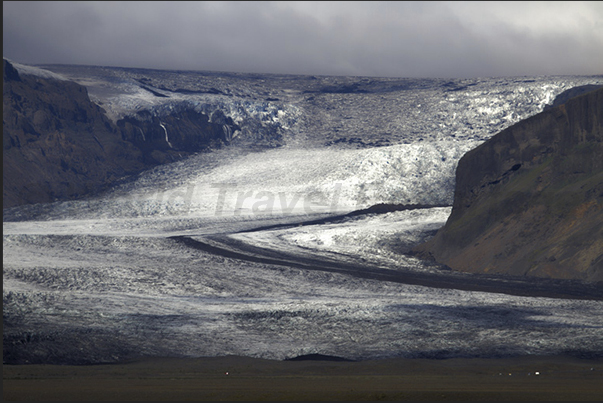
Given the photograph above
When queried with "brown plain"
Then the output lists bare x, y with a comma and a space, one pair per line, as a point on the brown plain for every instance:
234, 378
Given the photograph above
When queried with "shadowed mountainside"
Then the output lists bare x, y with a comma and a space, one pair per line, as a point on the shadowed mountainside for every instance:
529, 200
59, 145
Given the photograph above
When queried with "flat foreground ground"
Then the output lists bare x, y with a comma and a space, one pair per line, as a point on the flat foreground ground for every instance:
241, 378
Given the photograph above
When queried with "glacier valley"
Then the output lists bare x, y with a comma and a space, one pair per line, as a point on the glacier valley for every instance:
272, 246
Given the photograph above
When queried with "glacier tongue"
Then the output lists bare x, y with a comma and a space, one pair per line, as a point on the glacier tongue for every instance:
104, 278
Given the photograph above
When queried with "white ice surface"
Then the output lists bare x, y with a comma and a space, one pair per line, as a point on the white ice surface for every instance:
162, 298
284, 181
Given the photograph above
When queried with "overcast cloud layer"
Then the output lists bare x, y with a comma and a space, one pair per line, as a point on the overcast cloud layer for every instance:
386, 39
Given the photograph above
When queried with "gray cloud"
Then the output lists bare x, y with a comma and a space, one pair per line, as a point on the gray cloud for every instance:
402, 39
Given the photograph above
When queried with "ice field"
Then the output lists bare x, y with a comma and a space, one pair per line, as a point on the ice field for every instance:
249, 251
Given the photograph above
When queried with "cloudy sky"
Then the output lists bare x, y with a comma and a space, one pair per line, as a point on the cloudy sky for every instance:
387, 39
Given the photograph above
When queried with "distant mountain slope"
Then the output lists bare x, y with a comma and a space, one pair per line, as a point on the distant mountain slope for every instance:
529, 201
59, 145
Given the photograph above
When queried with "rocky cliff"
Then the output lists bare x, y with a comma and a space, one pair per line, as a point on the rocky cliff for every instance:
59, 145
529, 201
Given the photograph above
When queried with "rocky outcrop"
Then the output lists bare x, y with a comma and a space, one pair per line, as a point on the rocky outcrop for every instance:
571, 93
181, 131
59, 145
529, 201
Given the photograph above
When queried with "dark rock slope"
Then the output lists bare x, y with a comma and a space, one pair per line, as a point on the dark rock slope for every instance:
59, 145
529, 200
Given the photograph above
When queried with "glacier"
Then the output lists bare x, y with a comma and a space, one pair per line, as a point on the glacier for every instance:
280, 267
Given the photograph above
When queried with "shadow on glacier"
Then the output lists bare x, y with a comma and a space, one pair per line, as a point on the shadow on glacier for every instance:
487, 316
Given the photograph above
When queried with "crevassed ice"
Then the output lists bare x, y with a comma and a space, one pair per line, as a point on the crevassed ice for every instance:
108, 263
288, 181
